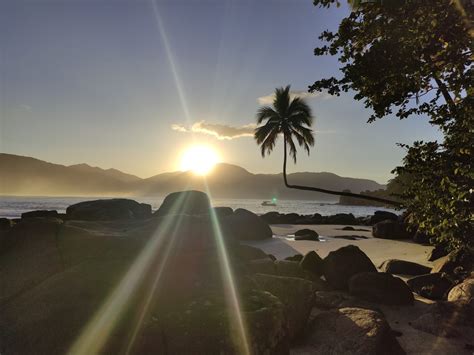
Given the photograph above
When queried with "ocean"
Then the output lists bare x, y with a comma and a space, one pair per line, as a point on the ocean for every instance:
14, 206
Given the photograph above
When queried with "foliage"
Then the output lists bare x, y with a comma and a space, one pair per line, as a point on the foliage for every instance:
412, 58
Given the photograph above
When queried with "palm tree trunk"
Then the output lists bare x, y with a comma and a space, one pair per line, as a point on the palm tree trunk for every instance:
331, 192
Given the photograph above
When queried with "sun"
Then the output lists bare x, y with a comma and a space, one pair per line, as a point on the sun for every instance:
199, 159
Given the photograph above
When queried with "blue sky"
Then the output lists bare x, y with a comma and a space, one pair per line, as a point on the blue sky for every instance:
104, 82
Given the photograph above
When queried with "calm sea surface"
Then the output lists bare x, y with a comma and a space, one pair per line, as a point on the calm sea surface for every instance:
14, 206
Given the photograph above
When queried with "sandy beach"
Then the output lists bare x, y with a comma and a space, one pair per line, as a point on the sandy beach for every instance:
412, 340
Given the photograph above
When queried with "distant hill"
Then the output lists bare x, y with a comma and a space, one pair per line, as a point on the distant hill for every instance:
21, 175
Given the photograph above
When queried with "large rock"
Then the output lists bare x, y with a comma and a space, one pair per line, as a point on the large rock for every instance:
5, 224
462, 260
245, 225
223, 211
447, 319
380, 216
463, 292
112, 209
432, 286
340, 265
40, 213
402, 267
326, 299
342, 218
352, 331
389, 229
296, 295
380, 287
306, 234
185, 202
313, 263
246, 252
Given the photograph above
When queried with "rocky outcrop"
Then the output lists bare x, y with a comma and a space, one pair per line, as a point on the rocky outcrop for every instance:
340, 265
461, 261
296, 295
380, 287
389, 229
105, 210
189, 202
40, 213
336, 299
352, 331
245, 225
402, 267
306, 234
462, 292
432, 286
380, 216
313, 263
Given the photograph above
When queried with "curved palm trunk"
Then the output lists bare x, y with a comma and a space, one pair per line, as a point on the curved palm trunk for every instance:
331, 192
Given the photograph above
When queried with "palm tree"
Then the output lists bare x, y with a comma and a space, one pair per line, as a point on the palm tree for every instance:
292, 118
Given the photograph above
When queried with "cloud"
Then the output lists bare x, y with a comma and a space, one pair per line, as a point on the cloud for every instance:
220, 131
268, 99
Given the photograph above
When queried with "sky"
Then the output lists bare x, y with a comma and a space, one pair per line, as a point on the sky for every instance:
131, 84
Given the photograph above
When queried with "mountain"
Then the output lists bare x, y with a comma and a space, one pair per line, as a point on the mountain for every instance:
29, 176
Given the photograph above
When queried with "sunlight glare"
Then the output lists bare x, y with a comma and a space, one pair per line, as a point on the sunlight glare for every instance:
199, 159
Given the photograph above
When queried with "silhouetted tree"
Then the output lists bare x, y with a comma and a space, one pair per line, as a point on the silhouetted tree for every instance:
292, 118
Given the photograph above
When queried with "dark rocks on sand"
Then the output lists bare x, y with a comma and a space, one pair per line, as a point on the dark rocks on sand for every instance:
5, 224
462, 260
341, 218
462, 292
112, 209
380, 287
337, 299
296, 295
389, 229
247, 252
296, 257
184, 202
402, 267
40, 213
352, 331
380, 216
340, 265
292, 269
245, 225
223, 211
437, 252
306, 234
432, 286
313, 263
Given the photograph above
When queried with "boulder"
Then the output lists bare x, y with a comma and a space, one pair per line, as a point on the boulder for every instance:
313, 263
432, 286
351, 331
296, 295
342, 218
461, 259
189, 202
272, 217
380, 216
402, 267
40, 213
223, 211
247, 252
111, 209
327, 299
5, 224
340, 265
262, 266
389, 229
245, 225
292, 269
437, 252
447, 319
296, 257
380, 287
463, 292
306, 234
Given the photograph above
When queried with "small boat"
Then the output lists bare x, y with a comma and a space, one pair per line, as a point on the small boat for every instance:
268, 203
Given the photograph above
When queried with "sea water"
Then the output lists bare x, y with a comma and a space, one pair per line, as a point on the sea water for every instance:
14, 206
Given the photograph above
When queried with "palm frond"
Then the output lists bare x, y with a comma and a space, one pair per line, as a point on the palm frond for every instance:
306, 132
266, 113
282, 100
261, 133
269, 143
301, 140
292, 147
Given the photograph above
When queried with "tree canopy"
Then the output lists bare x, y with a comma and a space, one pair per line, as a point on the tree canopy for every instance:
415, 58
